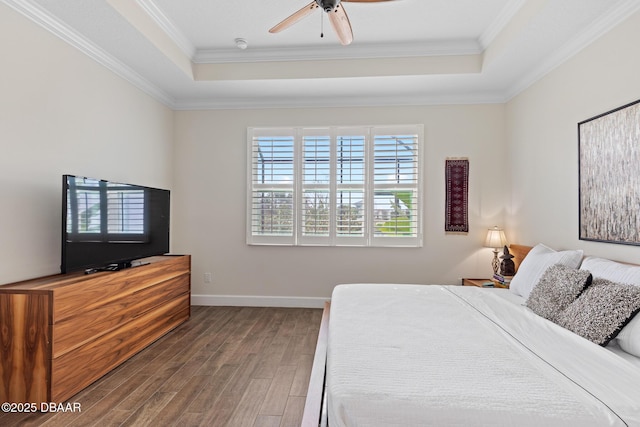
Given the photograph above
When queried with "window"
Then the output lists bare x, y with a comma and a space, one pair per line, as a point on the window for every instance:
336, 186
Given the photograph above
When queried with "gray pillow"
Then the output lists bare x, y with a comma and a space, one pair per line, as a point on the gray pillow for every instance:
558, 287
602, 310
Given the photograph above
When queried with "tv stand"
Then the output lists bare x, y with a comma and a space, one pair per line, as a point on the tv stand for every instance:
61, 333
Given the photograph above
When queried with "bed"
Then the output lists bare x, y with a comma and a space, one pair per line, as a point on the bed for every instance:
424, 355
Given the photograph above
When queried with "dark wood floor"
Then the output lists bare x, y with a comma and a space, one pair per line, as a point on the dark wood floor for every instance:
227, 366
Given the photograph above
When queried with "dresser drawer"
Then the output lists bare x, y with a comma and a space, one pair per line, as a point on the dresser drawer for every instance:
88, 325
80, 367
95, 290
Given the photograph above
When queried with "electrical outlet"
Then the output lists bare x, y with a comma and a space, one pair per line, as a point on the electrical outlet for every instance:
207, 277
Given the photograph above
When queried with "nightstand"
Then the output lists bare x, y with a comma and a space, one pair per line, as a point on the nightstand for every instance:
480, 283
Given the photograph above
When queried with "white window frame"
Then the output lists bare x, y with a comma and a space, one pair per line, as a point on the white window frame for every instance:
297, 187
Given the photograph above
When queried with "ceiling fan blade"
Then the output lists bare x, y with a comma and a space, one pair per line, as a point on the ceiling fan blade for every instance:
340, 22
295, 17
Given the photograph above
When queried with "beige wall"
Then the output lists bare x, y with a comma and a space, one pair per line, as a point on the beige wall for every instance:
542, 136
210, 201
61, 112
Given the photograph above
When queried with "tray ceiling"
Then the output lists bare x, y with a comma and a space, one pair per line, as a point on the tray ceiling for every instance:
405, 52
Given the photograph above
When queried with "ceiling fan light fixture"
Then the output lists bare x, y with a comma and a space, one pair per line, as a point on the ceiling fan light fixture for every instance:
328, 5
241, 43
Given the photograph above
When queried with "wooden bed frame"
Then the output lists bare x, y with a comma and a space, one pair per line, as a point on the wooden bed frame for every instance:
314, 409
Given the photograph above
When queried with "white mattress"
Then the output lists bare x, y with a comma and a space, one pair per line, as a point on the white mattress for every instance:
415, 355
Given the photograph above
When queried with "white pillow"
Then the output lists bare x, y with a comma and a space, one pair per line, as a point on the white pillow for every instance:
537, 261
612, 270
629, 337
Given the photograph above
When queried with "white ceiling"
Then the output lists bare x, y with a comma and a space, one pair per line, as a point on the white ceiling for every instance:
405, 52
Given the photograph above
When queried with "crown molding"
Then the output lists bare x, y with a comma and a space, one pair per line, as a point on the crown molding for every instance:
337, 102
168, 27
596, 30
41, 17
501, 21
353, 51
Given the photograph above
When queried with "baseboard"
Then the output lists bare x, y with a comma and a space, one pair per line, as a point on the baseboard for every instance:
257, 301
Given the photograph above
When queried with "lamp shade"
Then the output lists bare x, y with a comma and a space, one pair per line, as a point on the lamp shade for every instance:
495, 238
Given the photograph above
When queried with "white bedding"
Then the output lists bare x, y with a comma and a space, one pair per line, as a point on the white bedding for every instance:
415, 355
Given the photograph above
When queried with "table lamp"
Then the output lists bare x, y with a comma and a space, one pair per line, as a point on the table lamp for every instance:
496, 240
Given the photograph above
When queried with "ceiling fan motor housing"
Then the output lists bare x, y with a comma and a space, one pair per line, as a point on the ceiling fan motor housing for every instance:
328, 5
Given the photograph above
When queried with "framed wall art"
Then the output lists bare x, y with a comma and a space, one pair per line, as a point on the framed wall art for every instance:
609, 176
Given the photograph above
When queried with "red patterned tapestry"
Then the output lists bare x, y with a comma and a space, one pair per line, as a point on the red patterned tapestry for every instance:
457, 196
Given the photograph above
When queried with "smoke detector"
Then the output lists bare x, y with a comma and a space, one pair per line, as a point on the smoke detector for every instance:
241, 43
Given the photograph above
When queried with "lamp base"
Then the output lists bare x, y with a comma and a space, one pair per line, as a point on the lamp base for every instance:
495, 263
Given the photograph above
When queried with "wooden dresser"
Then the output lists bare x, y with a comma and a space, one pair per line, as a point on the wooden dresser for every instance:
60, 333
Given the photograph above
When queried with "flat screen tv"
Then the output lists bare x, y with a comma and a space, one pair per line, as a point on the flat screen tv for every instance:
107, 225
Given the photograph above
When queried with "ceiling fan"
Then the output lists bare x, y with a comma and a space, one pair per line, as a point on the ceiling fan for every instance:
337, 17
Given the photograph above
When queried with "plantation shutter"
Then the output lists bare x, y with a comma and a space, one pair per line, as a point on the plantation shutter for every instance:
315, 204
396, 187
271, 198
335, 186
351, 199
